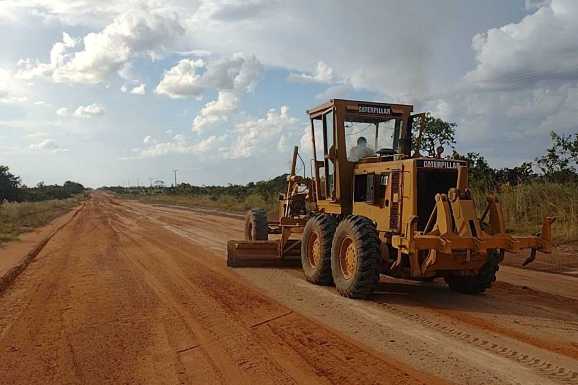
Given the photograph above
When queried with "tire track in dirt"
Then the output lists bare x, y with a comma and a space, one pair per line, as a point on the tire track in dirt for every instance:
566, 350
239, 301
544, 367
553, 301
558, 373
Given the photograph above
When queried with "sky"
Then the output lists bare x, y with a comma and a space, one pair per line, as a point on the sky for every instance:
121, 93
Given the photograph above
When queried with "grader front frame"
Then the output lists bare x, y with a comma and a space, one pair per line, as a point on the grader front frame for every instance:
257, 250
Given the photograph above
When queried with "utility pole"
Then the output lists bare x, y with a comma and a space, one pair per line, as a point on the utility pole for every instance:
175, 171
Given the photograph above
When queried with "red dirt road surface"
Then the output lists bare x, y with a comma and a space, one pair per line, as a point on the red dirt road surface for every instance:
133, 294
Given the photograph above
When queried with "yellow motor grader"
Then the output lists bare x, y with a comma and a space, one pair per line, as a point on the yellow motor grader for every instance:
372, 207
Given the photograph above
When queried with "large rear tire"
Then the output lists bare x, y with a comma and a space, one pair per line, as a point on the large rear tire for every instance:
256, 228
476, 284
316, 249
355, 257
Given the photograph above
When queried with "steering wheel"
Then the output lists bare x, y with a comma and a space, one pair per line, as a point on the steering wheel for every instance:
385, 152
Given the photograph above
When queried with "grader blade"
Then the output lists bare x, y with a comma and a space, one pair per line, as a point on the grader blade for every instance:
258, 254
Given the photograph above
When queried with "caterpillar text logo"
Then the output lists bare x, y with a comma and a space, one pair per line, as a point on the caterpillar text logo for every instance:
374, 109
447, 164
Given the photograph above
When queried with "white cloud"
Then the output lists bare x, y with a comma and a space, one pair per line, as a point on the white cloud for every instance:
322, 74
277, 130
335, 92
230, 76
238, 73
178, 145
84, 112
236, 10
139, 90
131, 34
89, 111
535, 4
11, 92
37, 134
47, 145
216, 111
182, 80
63, 111
376, 53
263, 134
542, 47
524, 85
67, 12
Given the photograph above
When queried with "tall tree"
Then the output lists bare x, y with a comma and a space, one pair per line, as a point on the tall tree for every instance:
437, 132
481, 175
9, 185
560, 162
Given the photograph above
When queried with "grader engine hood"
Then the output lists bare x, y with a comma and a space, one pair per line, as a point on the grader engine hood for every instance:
433, 176
452, 226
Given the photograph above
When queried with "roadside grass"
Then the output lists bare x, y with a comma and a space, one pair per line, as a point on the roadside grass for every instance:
18, 218
222, 202
524, 206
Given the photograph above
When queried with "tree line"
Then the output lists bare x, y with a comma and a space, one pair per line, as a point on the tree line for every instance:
268, 189
12, 189
559, 164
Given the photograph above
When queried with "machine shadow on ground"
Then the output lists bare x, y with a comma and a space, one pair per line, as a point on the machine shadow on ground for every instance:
502, 299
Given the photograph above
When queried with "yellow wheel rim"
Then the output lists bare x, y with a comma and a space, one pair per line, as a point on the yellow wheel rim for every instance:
348, 258
314, 251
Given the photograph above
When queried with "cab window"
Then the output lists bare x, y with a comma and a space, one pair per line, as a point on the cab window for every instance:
366, 138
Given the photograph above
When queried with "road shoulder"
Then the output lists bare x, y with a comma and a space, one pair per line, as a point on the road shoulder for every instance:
16, 255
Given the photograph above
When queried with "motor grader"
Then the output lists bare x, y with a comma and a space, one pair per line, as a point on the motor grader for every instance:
390, 212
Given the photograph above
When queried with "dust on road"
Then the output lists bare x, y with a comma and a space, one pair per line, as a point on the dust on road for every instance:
118, 298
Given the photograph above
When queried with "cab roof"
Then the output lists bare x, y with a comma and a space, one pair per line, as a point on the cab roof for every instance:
344, 102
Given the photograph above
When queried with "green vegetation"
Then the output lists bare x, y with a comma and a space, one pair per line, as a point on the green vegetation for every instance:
436, 133
525, 206
19, 217
24, 208
237, 198
224, 202
526, 196
12, 189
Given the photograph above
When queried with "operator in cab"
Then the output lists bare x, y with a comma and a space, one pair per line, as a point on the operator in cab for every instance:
360, 151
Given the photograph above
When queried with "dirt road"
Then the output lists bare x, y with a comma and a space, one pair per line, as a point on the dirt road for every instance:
133, 294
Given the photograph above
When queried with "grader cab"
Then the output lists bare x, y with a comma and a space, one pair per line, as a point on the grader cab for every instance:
372, 207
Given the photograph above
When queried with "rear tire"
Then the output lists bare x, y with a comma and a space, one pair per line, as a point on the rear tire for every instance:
256, 228
476, 284
316, 249
355, 257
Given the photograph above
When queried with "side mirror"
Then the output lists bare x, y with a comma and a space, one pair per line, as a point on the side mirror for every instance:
331, 154
439, 151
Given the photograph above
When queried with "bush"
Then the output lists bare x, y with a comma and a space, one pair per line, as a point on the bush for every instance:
526, 205
17, 218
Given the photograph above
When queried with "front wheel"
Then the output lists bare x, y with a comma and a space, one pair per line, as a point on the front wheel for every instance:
256, 227
316, 249
355, 257
476, 284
